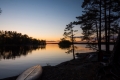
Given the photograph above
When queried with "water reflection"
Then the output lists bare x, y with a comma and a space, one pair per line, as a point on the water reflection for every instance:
11, 52
70, 48
92, 46
75, 48
50, 54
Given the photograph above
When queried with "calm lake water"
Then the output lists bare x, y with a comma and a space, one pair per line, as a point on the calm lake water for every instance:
13, 64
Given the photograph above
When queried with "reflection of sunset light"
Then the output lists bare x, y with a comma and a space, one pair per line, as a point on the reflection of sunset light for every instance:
52, 55
52, 47
81, 48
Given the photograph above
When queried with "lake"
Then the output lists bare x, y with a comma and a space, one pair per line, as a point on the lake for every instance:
13, 61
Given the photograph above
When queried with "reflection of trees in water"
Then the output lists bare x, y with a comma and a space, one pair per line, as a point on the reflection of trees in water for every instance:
92, 46
11, 52
72, 50
69, 47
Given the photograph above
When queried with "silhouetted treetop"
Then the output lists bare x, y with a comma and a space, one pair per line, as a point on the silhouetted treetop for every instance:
0, 11
14, 38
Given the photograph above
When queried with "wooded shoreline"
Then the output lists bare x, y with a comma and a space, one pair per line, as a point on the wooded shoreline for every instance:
83, 43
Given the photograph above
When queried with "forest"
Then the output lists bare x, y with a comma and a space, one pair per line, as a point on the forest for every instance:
99, 22
14, 38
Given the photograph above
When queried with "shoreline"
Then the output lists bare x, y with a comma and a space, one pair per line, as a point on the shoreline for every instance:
82, 68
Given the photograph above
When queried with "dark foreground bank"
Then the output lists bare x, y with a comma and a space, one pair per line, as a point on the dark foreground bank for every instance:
86, 67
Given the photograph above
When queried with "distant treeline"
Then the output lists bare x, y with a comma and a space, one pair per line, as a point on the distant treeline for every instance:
14, 38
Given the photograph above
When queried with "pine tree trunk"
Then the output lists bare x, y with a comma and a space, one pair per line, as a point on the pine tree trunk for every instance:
73, 46
115, 56
106, 34
109, 30
99, 40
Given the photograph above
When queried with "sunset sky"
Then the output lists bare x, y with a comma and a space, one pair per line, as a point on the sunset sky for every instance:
41, 19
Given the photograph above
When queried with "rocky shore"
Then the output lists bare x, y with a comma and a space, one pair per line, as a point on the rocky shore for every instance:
85, 67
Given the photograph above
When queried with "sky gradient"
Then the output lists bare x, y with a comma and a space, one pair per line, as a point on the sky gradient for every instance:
41, 19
